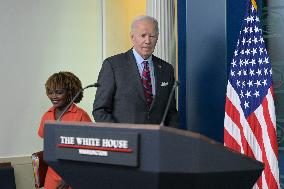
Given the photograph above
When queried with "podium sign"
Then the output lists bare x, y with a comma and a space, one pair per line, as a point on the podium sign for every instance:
108, 147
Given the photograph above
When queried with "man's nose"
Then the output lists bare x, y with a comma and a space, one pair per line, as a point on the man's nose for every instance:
147, 39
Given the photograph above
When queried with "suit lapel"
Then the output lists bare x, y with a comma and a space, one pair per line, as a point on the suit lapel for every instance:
136, 76
158, 77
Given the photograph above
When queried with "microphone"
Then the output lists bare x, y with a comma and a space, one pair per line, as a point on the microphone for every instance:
74, 98
169, 102
92, 85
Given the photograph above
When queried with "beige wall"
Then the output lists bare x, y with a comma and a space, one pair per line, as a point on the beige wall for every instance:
118, 16
39, 38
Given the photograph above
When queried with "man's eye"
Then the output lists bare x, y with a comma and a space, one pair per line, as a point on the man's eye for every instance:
143, 35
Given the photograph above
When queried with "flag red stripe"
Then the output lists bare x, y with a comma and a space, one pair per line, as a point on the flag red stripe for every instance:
231, 142
234, 114
256, 128
259, 182
270, 128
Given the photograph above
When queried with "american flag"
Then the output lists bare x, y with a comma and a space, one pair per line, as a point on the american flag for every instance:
250, 123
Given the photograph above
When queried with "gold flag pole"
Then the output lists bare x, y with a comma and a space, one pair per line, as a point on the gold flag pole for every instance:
253, 2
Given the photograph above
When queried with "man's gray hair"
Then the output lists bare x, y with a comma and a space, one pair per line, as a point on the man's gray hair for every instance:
144, 18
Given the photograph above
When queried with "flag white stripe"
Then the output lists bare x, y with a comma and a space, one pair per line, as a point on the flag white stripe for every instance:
271, 108
255, 187
264, 183
271, 157
233, 130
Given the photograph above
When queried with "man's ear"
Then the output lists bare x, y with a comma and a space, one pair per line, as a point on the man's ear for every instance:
131, 36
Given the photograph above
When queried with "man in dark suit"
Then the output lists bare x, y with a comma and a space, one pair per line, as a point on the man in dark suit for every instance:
135, 85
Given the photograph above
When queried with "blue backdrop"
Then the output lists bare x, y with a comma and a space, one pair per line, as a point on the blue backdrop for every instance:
207, 36
202, 66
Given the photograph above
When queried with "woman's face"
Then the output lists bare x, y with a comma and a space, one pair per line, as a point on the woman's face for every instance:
58, 97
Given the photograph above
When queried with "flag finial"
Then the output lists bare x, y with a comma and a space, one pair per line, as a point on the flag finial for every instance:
253, 2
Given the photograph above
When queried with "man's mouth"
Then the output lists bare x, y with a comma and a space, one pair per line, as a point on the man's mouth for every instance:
147, 48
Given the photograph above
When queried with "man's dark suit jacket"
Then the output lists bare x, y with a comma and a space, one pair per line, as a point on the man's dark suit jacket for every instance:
120, 97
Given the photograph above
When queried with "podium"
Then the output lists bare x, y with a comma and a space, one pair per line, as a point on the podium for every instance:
132, 156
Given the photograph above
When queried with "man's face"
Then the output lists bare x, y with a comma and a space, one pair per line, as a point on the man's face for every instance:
144, 38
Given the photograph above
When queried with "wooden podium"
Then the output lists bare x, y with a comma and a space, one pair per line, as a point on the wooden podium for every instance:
120, 156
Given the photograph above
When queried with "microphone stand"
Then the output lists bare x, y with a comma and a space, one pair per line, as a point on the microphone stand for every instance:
169, 102
74, 98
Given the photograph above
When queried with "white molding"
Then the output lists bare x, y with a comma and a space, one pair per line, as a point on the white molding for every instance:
163, 11
103, 26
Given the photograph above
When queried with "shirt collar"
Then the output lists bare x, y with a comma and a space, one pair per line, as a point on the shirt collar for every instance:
139, 58
72, 108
